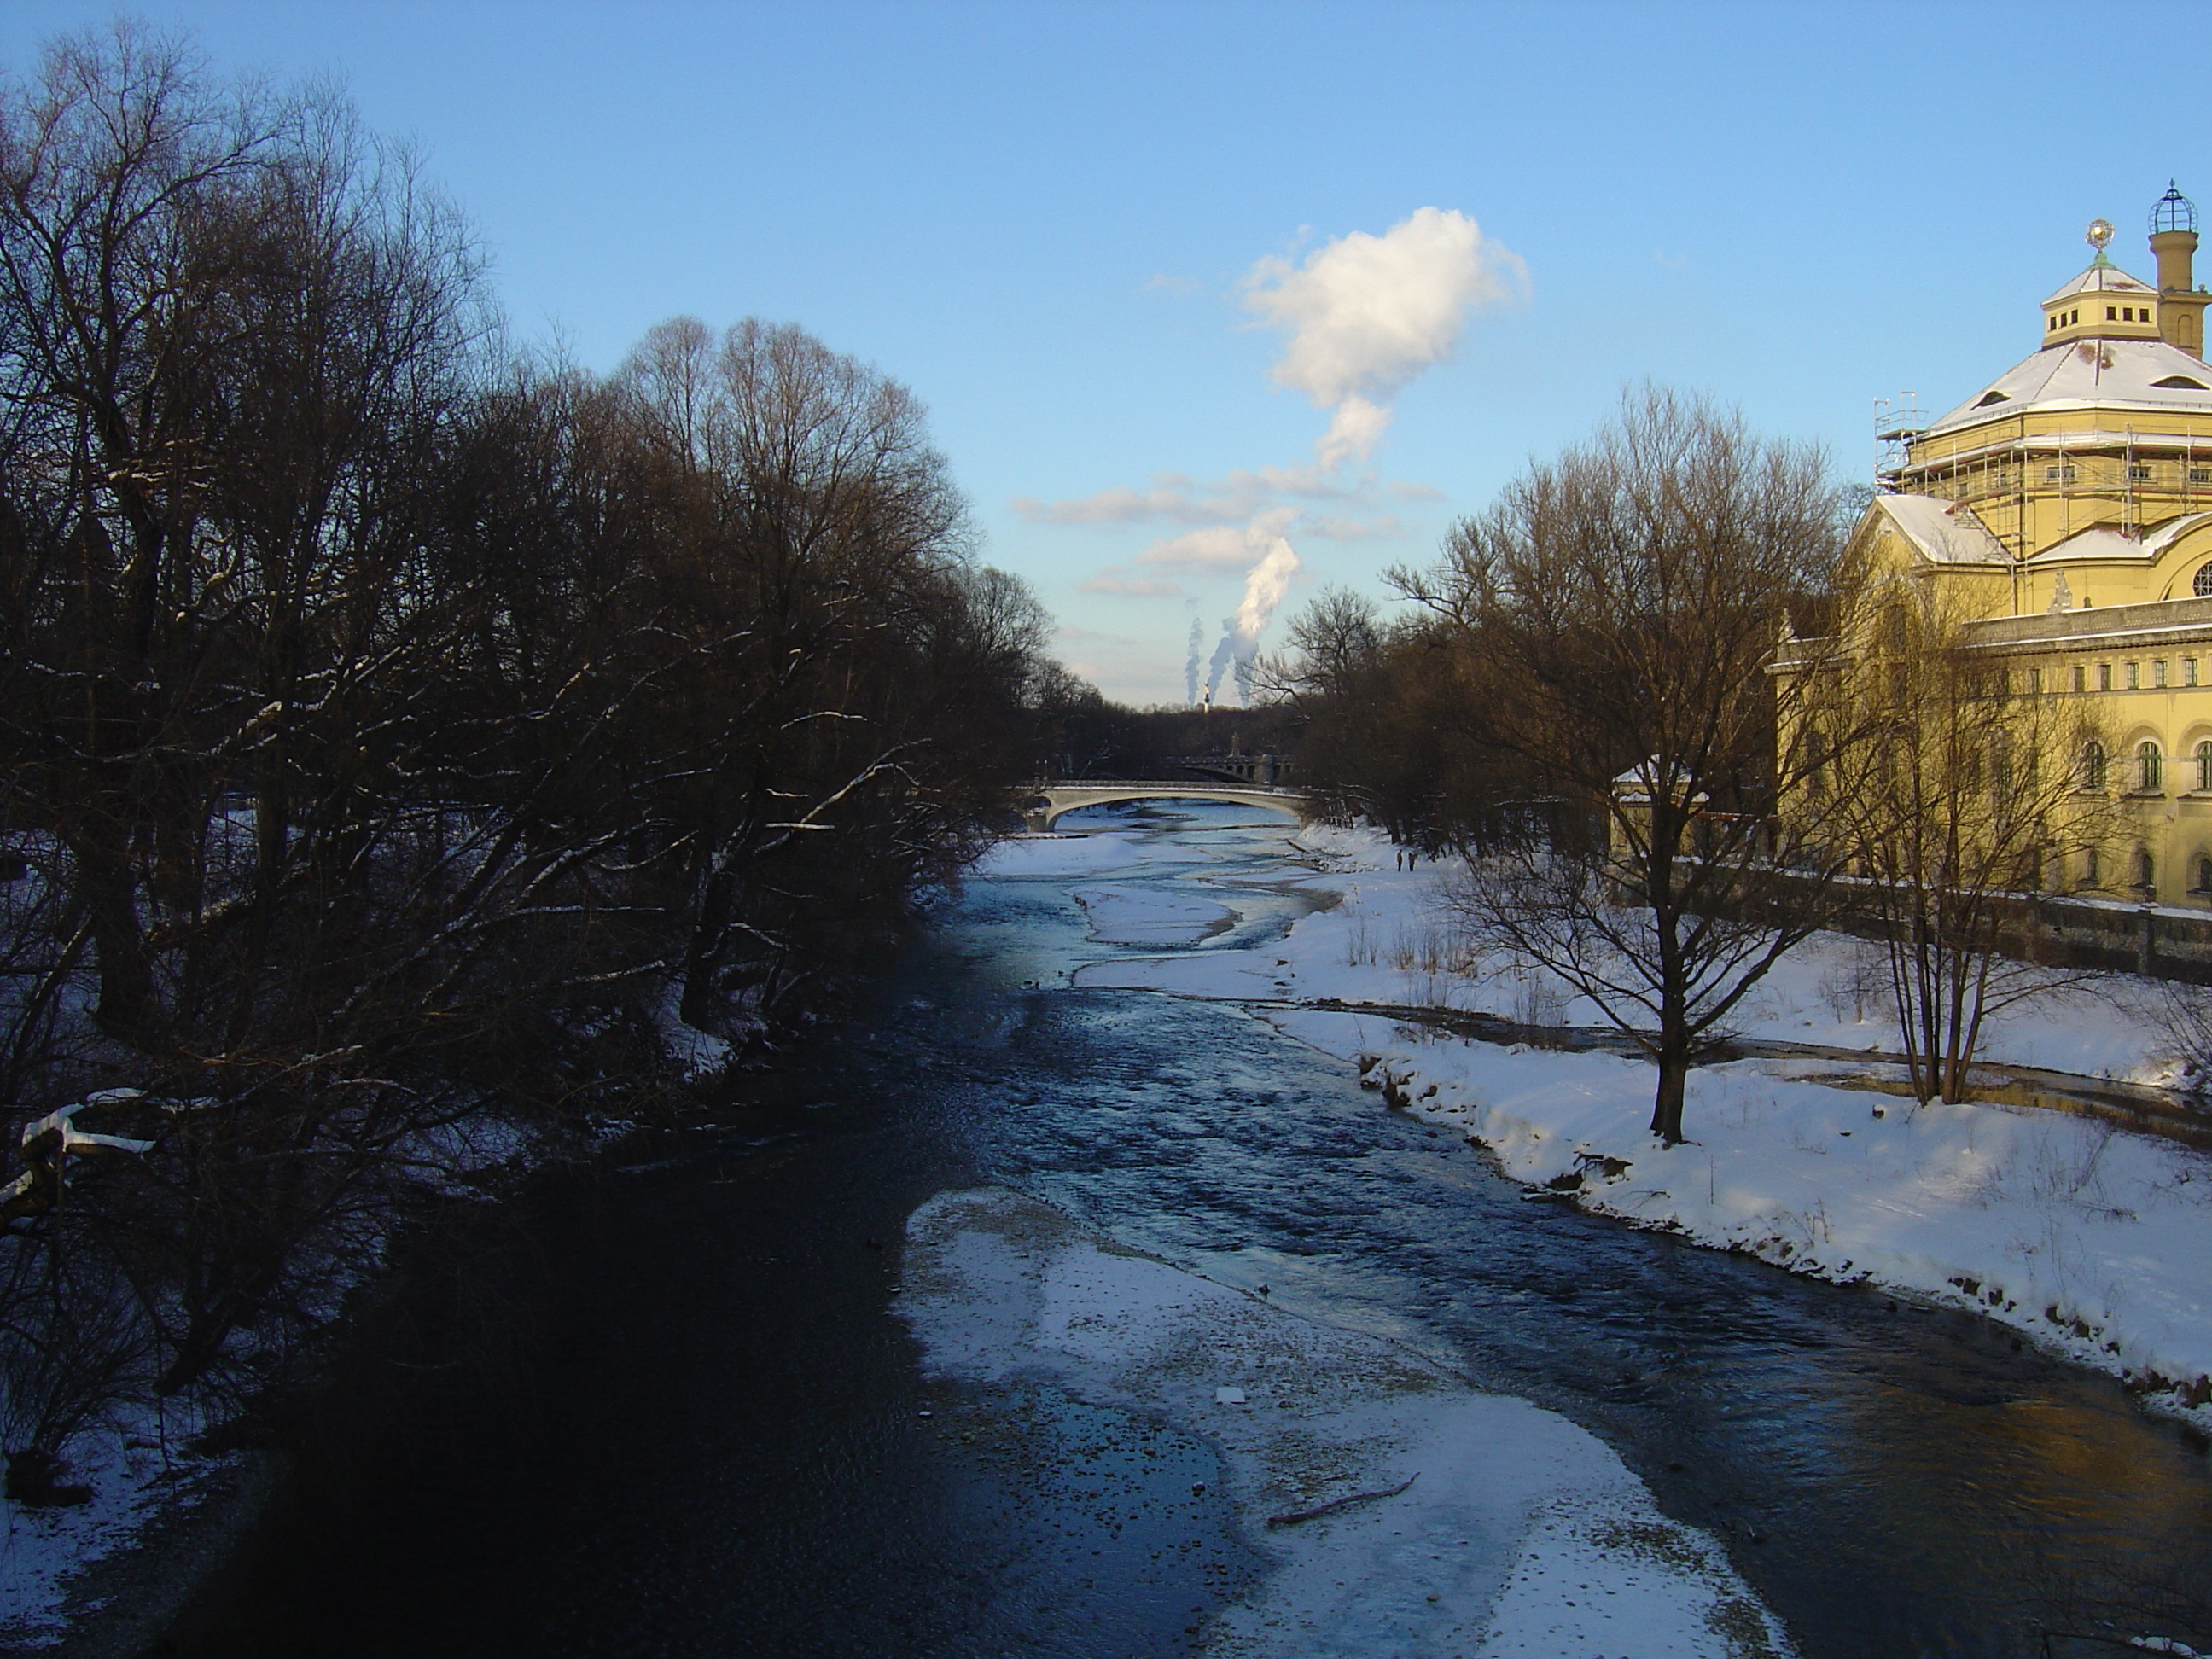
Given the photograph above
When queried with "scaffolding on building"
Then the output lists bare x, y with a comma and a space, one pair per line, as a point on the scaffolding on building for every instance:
1897, 422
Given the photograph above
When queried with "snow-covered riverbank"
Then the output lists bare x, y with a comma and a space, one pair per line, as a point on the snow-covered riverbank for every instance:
2093, 1241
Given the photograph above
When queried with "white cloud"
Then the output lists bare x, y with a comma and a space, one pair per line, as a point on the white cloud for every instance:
1332, 527
1353, 431
1366, 313
1234, 502
1113, 580
1222, 547
1175, 499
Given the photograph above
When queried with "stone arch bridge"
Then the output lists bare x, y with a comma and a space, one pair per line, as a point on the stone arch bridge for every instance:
1044, 803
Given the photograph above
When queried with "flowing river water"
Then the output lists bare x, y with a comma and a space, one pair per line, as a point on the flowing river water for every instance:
719, 1436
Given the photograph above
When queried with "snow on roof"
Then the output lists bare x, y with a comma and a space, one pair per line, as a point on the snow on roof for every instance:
2100, 542
2106, 542
2101, 277
1946, 532
2147, 373
2158, 537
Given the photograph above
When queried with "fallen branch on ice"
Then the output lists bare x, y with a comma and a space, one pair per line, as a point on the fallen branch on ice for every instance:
1336, 1504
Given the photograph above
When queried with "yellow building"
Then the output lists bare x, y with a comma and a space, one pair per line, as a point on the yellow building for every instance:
2067, 507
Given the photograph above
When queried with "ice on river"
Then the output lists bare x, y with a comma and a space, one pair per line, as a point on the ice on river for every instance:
1136, 915
1522, 1534
1056, 855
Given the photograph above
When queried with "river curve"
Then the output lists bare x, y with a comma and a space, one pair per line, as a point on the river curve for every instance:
718, 1445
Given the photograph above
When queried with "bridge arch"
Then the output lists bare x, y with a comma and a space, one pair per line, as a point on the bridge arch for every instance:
1047, 802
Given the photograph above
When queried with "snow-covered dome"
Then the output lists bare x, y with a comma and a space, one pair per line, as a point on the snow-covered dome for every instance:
2103, 303
2143, 373
2102, 277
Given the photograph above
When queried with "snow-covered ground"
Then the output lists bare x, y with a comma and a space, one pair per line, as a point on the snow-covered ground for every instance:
133, 1480
2096, 1243
143, 1485
1392, 941
1521, 1533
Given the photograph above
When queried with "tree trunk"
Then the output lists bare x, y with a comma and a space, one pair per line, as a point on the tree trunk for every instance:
1667, 1107
701, 1006
126, 1009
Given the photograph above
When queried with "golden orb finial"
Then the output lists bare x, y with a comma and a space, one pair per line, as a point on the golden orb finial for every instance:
2100, 233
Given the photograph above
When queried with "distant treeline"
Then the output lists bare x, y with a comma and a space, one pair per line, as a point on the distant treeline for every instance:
1408, 722
397, 728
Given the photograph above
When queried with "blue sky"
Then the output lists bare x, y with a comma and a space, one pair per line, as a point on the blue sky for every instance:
1046, 219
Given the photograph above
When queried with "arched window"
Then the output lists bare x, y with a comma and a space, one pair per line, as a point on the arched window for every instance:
2093, 766
2204, 766
2089, 868
2201, 583
2203, 874
2145, 870
2150, 769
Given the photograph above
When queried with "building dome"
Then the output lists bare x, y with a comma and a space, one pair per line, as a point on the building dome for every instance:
2174, 211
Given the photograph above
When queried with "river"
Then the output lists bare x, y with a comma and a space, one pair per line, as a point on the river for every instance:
712, 1438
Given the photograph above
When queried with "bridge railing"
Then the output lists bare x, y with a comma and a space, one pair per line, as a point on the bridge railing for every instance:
1047, 786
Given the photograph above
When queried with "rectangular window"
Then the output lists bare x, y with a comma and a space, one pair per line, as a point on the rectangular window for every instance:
2189, 671
2081, 679
2200, 475
2158, 674
2058, 474
2139, 472
2104, 677
2111, 313
2135, 676
2034, 681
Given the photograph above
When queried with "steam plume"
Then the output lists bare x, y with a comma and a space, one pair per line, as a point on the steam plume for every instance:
1265, 585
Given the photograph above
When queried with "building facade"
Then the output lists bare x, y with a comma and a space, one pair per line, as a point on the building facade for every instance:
2064, 513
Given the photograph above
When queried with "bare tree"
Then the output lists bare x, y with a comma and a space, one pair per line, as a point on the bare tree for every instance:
1969, 796
388, 723
1632, 593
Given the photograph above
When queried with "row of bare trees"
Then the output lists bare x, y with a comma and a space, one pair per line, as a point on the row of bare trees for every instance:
398, 732
1674, 730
